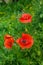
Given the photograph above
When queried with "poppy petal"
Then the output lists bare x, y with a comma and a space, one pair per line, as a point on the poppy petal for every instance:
7, 44
7, 36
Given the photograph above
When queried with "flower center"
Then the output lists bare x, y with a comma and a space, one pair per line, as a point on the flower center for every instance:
23, 41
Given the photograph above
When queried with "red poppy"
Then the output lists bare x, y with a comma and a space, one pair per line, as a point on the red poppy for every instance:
26, 41
25, 18
8, 41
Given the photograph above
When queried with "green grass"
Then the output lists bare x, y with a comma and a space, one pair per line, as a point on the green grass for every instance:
9, 24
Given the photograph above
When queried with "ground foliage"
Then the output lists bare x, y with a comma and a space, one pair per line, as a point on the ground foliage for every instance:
9, 23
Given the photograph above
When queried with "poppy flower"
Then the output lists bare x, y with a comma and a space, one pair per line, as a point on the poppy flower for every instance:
8, 41
25, 18
26, 41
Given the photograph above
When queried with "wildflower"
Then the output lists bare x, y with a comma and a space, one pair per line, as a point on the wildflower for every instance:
25, 18
26, 41
9, 40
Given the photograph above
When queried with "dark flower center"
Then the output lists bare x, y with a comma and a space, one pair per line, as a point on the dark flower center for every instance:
23, 41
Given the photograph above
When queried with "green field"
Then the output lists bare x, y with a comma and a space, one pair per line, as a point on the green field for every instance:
10, 24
